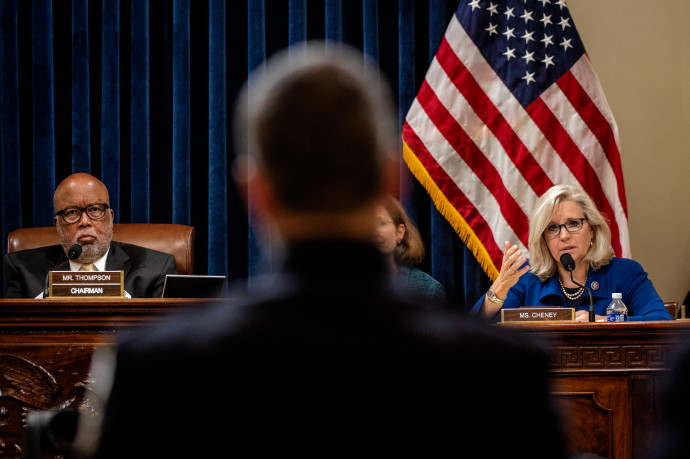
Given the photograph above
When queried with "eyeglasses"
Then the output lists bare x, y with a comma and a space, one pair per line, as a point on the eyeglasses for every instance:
382, 223
572, 225
73, 214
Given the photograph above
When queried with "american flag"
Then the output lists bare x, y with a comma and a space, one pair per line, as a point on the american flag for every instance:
509, 107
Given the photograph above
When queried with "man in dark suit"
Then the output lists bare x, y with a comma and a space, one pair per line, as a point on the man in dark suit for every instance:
83, 216
324, 358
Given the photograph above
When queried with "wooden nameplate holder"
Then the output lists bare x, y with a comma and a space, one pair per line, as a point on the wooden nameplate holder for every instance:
86, 284
538, 314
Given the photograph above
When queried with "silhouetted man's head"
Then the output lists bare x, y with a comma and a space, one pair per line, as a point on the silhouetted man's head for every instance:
318, 122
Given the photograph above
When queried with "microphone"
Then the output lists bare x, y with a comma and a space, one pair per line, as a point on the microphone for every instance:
74, 252
569, 265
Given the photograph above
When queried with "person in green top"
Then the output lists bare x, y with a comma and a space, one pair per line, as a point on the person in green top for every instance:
400, 241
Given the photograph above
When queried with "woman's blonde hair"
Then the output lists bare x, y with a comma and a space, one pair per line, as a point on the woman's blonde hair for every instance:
600, 252
410, 250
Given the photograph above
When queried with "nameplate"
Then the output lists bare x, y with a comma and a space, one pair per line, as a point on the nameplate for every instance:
537, 314
86, 284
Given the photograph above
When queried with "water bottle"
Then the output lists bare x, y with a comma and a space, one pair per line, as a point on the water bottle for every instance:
616, 311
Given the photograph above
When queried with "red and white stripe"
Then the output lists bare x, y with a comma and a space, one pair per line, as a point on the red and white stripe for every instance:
490, 158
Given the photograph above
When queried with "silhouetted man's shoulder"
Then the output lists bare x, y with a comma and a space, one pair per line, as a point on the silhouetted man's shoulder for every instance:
671, 439
288, 369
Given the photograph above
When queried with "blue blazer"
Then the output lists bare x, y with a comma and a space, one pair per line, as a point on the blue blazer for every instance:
621, 275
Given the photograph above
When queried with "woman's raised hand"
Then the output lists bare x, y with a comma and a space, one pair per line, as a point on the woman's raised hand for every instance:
510, 270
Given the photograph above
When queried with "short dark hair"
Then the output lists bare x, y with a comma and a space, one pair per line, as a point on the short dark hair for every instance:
318, 122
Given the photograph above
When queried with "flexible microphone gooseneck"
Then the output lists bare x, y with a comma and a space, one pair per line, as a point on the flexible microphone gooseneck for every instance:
569, 265
73, 253
46, 288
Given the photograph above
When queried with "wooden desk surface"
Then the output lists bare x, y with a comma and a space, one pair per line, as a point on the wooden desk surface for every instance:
17, 314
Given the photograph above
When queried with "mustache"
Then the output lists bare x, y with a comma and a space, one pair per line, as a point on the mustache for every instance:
85, 232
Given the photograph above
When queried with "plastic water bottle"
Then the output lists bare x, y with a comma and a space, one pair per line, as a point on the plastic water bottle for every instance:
616, 311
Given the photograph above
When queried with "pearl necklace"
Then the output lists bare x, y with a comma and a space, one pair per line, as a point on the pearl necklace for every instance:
573, 296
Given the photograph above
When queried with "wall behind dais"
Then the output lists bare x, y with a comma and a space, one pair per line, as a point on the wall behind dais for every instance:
641, 52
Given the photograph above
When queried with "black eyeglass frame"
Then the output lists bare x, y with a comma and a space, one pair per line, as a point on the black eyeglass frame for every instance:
563, 225
81, 212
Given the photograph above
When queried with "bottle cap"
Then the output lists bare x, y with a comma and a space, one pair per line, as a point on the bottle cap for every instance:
616, 296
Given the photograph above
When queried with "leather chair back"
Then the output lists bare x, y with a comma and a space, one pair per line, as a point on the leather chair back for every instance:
672, 308
177, 240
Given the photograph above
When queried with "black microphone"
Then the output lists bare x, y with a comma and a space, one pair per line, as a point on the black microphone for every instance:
74, 252
569, 265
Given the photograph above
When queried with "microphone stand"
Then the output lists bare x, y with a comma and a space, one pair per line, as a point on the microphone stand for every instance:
73, 253
591, 300
46, 290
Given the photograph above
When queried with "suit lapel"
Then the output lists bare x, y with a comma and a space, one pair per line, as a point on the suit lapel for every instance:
117, 259
59, 262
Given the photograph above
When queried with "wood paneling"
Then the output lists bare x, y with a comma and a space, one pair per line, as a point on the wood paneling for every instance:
607, 379
46, 348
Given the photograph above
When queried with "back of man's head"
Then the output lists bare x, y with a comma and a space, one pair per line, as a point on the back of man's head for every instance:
318, 121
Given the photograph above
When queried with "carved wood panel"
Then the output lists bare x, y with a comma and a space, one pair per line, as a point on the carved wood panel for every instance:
46, 348
595, 414
40, 377
602, 357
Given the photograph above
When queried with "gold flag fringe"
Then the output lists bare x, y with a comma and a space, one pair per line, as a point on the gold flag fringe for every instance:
450, 213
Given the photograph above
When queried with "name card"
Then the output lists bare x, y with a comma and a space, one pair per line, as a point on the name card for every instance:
86, 284
537, 314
